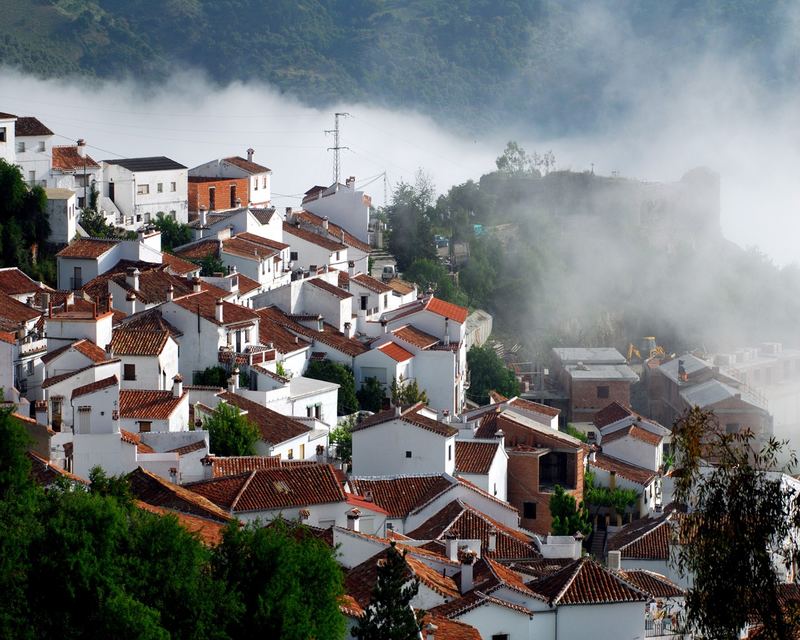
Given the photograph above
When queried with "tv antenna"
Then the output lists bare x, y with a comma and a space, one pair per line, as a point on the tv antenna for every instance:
336, 148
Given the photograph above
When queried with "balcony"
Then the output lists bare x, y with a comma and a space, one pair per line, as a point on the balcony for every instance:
665, 627
31, 345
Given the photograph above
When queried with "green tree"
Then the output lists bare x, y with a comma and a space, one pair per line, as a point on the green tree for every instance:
173, 233
342, 437
95, 224
389, 615
427, 273
287, 581
230, 432
347, 402
411, 230
487, 372
404, 392
742, 523
617, 499
210, 265
211, 377
569, 517
371, 394
515, 161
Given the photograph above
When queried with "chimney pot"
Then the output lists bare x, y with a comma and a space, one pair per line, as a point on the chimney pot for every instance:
220, 314
250, 153
467, 560
325, 223
196, 287
170, 293
177, 386
233, 381
492, 540
451, 546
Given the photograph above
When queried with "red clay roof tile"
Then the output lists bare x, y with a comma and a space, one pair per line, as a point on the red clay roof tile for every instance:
475, 456
147, 404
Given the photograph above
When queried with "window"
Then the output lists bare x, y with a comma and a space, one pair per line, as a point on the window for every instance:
602, 392
449, 451
30, 367
41, 145
2, 134
337, 256
732, 427
385, 299
173, 186
494, 486
529, 510
31, 176
264, 182
172, 214
145, 426
20, 147
212, 198
255, 184
293, 256
364, 300
302, 452
142, 189
160, 187
310, 411
500, 636
290, 454
408, 454
129, 372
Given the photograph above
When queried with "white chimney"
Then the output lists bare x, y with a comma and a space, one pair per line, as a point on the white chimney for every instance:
130, 298
352, 519
82, 148
238, 203
177, 386
492, 540
501, 437
467, 560
196, 286
219, 314
614, 560
250, 153
350, 182
451, 546
233, 381
170, 293
203, 216
430, 631
325, 223
132, 278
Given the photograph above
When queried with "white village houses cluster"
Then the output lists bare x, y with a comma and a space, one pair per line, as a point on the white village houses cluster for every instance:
101, 371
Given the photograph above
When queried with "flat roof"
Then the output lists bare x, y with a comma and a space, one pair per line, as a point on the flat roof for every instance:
589, 355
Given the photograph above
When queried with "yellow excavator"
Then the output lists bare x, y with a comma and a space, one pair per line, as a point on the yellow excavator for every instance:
648, 346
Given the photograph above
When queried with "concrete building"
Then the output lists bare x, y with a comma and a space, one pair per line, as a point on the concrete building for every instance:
62, 212
343, 205
33, 144
255, 189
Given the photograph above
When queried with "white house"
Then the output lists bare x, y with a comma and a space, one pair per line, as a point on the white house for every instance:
406, 441
72, 168
149, 358
146, 411
95, 406
62, 211
484, 463
33, 143
142, 187
613, 472
8, 138
58, 393
310, 250
343, 205
358, 250
260, 259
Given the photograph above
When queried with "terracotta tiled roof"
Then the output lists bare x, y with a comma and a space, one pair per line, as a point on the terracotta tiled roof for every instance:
654, 584
646, 539
447, 629
206, 305
14, 314
198, 445
474, 599
234, 465
209, 531
395, 352
631, 472
414, 336
334, 230
329, 288
448, 310
349, 606
90, 350
634, 432
274, 427
247, 165
136, 342
44, 473
409, 415
8, 338
312, 238
66, 158
51, 380
361, 579
241, 247
135, 439
14, 282
177, 265
246, 285
434, 305
157, 491
373, 284
470, 524
87, 248
30, 126
358, 501
534, 407
329, 335
262, 241
611, 414
401, 286
520, 429
200, 250
401, 495
474, 456
586, 582
273, 331
147, 404
150, 320
271, 489
111, 381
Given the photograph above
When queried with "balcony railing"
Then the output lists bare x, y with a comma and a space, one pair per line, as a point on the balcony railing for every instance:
666, 626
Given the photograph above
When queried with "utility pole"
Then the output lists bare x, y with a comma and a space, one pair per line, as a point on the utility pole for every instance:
336, 148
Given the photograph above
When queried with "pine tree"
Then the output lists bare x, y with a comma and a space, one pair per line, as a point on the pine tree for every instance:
390, 615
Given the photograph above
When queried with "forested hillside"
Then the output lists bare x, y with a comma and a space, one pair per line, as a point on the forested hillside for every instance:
542, 59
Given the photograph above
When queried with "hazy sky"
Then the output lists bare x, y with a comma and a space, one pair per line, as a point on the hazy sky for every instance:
709, 112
